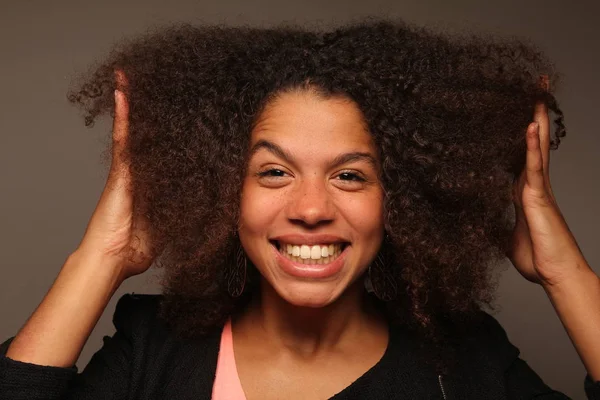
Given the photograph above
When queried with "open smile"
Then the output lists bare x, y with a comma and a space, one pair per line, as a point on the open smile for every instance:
310, 261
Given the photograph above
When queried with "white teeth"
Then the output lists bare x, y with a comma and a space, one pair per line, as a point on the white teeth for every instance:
304, 252
313, 254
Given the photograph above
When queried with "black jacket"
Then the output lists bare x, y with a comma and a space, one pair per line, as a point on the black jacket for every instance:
142, 360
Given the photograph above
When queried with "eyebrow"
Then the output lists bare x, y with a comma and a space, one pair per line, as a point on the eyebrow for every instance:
339, 160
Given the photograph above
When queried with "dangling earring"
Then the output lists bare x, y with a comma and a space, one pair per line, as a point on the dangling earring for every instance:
380, 279
236, 273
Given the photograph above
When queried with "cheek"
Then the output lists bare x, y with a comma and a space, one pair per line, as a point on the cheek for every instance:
258, 209
365, 215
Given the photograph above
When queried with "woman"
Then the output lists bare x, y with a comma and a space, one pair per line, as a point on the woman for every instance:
326, 206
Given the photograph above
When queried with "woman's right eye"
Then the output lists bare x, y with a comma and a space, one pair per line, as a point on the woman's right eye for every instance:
273, 177
271, 173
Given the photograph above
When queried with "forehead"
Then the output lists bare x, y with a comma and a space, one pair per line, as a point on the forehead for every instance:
302, 117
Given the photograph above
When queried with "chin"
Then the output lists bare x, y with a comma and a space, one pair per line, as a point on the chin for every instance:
308, 294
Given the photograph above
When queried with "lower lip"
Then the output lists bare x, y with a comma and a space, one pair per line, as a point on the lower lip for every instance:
311, 271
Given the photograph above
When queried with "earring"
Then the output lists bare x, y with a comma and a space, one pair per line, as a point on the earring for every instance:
380, 280
236, 273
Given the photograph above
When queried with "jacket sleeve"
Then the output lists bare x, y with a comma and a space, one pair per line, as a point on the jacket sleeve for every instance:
105, 376
592, 389
522, 381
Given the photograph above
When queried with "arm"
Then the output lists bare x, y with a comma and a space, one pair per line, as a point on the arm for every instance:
577, 303
107, 375
521, 381
114, 247
544, 250
56, 332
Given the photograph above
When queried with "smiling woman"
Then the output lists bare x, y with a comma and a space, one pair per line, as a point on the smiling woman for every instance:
325, 193
327, 208
312, 185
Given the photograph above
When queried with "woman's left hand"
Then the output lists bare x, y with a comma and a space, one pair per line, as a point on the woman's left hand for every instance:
543, 248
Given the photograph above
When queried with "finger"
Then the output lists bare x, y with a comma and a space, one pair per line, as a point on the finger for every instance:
121, 108
120, 126
119, 176
534, 162
541, 117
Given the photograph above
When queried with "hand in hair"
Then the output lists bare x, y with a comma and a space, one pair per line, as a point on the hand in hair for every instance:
113, 233
543, 249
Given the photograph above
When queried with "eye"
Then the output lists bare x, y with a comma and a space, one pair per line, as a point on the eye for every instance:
273, 177
351, 176
271, 173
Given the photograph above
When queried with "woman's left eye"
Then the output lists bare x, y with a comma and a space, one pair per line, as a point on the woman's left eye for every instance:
351, 176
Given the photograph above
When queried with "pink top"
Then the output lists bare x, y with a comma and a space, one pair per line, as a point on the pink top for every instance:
227, 384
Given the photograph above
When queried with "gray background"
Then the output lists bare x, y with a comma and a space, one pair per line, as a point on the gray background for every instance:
51, 175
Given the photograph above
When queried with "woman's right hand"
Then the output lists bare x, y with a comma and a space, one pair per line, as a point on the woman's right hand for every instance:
113, 234
114, 247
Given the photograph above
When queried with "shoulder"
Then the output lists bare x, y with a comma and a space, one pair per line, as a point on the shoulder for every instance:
488, 329
481, 356
158, 352
137, 317
484, 339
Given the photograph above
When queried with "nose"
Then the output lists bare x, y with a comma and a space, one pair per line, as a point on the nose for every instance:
310, 203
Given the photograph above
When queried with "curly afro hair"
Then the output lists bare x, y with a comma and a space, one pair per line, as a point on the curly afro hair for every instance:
447, 112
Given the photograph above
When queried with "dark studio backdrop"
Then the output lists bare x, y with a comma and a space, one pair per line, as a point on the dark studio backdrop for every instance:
51, 174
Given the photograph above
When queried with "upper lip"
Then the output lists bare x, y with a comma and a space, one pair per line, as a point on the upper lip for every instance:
298, 239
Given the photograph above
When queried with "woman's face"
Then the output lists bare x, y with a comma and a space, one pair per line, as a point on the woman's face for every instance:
312, 203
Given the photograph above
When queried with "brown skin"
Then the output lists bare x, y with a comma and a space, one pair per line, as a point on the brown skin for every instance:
299, 330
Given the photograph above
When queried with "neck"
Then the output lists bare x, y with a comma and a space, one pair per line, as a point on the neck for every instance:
306, 330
